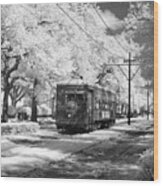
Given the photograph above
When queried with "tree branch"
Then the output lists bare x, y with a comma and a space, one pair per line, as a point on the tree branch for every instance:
21, 96
15, 66
15, 79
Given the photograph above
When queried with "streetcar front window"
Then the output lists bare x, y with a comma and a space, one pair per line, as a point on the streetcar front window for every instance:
70, 101
74, 98
70, 97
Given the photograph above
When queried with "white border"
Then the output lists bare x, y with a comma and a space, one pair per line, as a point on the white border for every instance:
59, 1
64, 182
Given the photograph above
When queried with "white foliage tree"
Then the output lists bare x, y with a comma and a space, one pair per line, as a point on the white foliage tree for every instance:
50, 43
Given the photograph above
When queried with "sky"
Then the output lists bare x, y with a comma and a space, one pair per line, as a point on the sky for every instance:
119, 9
114, 13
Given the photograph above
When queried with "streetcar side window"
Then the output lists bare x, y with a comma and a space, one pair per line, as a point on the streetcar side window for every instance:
79, 98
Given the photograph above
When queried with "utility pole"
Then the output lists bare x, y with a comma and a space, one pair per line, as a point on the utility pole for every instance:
129, 60
129, 88
133, 104
129, 78
148, 101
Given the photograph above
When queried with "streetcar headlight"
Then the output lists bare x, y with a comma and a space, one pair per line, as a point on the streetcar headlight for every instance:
69, 115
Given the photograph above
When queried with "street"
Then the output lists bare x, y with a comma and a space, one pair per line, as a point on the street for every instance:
103, 154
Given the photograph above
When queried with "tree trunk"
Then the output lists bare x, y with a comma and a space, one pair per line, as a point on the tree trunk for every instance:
5, 105
34, 103
7, 85
52, 107
34, 109
13, 102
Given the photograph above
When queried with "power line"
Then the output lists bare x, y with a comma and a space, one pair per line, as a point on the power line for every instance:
129, 66
87, 34
129, 59
102, 20
135, 73
90, 36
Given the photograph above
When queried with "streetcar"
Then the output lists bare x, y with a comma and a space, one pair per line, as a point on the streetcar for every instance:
84, 107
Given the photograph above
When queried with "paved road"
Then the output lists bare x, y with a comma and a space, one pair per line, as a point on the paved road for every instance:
104, 154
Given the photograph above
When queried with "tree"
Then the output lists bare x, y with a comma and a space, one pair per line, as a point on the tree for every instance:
13, 51
140, 27
50, 45
17, 93
8, 81
21, 38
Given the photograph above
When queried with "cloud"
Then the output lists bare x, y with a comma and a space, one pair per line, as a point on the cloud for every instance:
112, 21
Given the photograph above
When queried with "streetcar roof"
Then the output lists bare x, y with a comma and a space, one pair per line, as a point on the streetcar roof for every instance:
88, 85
